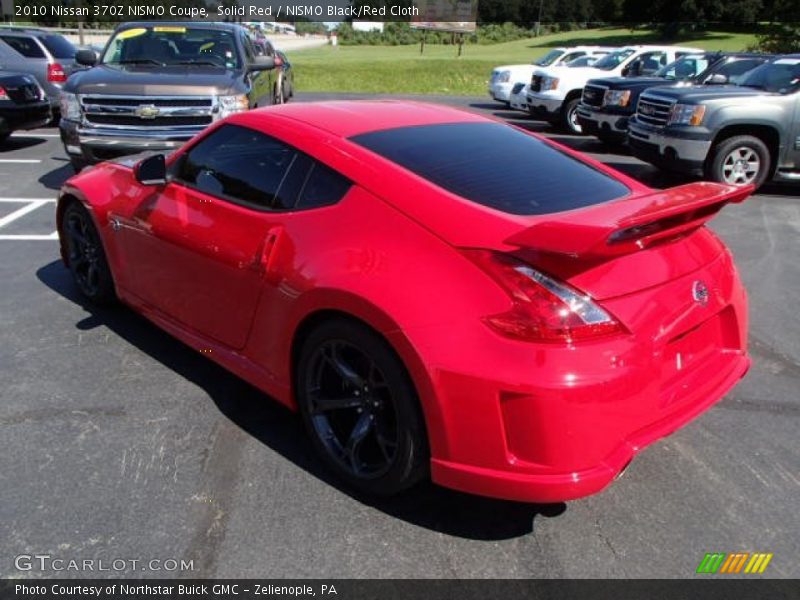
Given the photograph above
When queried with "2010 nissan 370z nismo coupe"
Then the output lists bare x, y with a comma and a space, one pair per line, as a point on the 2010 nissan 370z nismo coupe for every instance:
437, 293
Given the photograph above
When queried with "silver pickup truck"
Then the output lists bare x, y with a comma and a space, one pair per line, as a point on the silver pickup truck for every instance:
157, 84
741, 135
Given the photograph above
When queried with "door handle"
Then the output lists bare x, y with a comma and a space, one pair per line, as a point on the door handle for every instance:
268, 250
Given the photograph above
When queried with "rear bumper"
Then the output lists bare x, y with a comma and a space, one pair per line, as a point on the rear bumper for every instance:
563, 486
95, 145
552, 422
14, 118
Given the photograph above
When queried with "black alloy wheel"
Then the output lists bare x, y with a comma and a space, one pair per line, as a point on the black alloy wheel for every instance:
360, 408
87, 259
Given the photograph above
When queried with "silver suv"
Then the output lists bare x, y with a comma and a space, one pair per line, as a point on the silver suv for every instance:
48, 56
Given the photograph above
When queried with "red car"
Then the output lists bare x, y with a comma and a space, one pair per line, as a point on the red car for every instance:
436, 292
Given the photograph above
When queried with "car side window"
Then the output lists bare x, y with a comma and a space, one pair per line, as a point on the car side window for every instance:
735, 70
652, 62
323, 187
26, 46
238, 164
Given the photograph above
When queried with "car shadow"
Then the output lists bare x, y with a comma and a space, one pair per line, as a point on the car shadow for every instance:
20, 142
53, 180
429, 506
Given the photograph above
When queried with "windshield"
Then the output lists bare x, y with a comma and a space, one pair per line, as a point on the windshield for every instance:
684, 68
548, 59
781, 76
611, 61
161, 45
59, 46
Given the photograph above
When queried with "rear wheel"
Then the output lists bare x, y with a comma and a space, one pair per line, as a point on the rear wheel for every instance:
87, 259
740, 160
360, 408
569, 117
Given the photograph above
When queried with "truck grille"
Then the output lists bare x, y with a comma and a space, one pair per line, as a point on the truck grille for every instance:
653, 110
156, 122
536, 83
593, 95
137, 112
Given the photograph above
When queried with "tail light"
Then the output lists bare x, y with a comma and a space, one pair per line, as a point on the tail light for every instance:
3, 95
543, 309
56, 73
278, 61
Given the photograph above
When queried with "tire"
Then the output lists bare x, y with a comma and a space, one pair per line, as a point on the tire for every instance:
78, 164
739, 160
360, 408
610, 139
86, 256
569, 120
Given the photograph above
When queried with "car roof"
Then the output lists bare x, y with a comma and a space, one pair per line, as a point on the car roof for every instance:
348, 118
188, 24
23, 31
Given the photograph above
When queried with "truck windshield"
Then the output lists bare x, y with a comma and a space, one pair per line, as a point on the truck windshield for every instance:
548, 59
781, 76
611, 61
161, 45
684, 68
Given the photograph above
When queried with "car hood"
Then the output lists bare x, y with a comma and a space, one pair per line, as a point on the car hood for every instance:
629, 83
705, 93
149, 81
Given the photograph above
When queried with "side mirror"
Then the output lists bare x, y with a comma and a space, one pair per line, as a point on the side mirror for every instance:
262, 63
717, 79
151, 170
86, 57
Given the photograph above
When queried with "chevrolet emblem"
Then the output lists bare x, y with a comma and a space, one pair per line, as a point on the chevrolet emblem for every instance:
147, 111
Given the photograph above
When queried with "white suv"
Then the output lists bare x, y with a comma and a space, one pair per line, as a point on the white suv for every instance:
503, 78
555, 92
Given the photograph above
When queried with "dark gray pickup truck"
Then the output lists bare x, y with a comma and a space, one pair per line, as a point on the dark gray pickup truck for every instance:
157, 84
743, 134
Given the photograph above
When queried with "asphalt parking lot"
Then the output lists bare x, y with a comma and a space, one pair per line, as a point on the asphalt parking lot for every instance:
120, 443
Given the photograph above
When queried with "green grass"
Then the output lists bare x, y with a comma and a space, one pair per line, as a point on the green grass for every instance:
402, 70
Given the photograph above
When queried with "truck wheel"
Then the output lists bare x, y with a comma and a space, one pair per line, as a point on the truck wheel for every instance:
78, 164
740, 160
569, 117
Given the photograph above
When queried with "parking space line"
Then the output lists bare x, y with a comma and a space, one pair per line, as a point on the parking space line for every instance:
34, 134
52, 236
21, 212
17, 161
20, 200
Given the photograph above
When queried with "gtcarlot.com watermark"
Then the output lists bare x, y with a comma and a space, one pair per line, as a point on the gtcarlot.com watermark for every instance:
47, 562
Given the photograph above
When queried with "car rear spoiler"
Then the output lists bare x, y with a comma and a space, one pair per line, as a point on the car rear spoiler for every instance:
631, 224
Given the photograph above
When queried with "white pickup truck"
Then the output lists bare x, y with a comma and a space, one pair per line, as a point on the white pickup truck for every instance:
504, 77
555, 92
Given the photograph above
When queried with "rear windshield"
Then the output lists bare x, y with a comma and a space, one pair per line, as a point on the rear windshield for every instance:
59, 46
495, 165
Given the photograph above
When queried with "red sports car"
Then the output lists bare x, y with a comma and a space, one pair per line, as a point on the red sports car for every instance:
436, 292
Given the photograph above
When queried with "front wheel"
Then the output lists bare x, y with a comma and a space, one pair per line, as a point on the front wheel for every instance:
740, 160
360, 408
569, 117
87, 259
